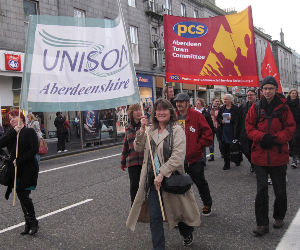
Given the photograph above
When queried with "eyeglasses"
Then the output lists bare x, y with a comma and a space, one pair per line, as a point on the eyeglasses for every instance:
265, 89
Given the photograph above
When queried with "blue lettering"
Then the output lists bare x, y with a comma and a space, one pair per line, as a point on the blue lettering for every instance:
104, 58
72, 64
55, 62
91, 60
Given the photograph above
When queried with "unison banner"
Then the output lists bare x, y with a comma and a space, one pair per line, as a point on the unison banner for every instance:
211, 51
77, 64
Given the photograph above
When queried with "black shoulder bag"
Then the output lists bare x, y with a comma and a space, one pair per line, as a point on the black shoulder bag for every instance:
177, 183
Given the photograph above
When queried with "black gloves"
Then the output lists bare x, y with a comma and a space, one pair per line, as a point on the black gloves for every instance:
267, 141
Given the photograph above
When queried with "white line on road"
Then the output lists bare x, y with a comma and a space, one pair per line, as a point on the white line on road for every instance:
46, 215
291, 239
78, 163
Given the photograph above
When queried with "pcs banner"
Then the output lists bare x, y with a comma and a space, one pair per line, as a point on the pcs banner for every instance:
211, 51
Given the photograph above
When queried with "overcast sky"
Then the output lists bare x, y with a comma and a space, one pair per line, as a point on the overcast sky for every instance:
272, 16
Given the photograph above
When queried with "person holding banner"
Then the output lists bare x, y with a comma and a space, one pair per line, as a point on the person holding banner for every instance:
27, 166
180, 209
131, 159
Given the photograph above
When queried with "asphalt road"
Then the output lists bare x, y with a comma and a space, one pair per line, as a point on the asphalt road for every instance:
84, 202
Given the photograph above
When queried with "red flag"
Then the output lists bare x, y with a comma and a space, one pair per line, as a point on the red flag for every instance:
268, 67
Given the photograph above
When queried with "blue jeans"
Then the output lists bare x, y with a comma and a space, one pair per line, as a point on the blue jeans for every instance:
38, 158
156, 222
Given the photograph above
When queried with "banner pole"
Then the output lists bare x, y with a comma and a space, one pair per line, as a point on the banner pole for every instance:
153, 167
17, 152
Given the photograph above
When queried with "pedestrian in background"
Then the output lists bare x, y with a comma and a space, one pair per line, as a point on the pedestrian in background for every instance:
228, 119
198, 135
131, 159
200, 107
60, 132
34, 123
294, 103
246, 143
27, 165
214, 111
169, 95
270, 125
180, 209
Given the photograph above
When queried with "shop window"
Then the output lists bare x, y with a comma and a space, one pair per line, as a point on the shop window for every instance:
167, 7
134, 44
16, 88
30, 8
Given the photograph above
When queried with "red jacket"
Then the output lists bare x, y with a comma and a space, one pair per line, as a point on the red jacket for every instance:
282, 128
198, 135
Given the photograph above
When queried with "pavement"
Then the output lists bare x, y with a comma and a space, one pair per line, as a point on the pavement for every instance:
82, 201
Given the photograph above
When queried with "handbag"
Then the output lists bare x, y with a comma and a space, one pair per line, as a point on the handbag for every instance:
4, 175
236, 152
43, 148
177, 183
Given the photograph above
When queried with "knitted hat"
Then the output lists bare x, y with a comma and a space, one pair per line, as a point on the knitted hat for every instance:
269, 80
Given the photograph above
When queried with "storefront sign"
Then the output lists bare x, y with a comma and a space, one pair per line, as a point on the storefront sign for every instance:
145, 83
144, 80
12, 62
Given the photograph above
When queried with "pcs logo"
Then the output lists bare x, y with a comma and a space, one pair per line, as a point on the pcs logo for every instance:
189, 29
175, 77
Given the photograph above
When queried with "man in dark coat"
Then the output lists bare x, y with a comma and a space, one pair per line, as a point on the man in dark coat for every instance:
270, 126
59, 124
246, 143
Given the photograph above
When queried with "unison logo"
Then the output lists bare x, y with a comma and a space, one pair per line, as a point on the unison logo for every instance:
96, 60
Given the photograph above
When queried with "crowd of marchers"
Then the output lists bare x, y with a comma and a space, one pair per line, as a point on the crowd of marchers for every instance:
164, 152
172, 141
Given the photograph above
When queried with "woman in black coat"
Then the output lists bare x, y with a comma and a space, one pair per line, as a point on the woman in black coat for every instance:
27, 166
294, 104
228, 118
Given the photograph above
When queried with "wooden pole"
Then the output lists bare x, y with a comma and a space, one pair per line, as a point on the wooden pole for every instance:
153, 167
16, 168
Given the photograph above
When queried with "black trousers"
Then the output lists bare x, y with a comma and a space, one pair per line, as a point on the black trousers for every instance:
61, 141
27, 205
226, 152
134, 178
196, 171
278, 177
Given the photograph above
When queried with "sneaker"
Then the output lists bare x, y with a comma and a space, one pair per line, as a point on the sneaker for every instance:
269, 181
260, 231
206, 210
278, 224
58, 151
187, 241
294, 165
66, 150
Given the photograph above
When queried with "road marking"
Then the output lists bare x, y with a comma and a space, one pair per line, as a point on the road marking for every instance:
291, 239
78, 163
46, 215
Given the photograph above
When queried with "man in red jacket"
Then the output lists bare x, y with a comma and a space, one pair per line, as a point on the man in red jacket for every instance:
198, 135
270, 125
